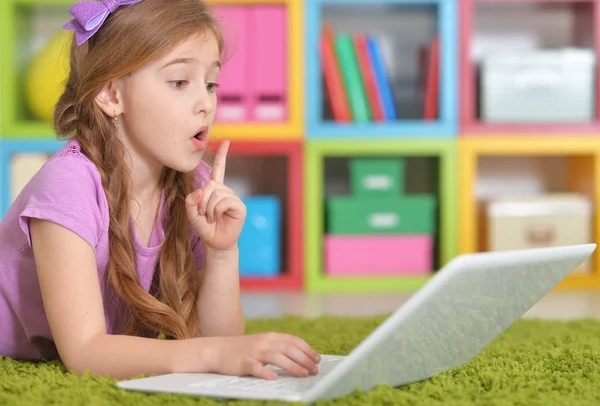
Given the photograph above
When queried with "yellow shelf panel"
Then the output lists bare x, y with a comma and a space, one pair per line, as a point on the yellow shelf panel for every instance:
580, 282
515, 145
255, 132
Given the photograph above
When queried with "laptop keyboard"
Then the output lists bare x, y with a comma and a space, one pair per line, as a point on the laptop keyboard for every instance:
284, 383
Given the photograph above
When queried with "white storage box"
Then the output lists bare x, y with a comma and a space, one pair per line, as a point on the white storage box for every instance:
545, 86
539, 221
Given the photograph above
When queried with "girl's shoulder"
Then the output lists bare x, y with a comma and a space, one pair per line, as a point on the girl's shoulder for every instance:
71, 149
70, 169
66, 190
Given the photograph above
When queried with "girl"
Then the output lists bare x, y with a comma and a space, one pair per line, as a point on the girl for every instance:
124, 235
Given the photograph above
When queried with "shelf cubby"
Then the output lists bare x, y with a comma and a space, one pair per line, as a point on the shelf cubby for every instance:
492, 167
402, 28
292, 128
273, 168
493, 27
430, 169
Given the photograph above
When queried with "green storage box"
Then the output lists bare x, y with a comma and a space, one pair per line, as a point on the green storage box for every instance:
377, 177
414, 214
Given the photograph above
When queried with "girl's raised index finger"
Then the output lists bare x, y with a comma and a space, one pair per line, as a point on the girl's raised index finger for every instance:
218, 170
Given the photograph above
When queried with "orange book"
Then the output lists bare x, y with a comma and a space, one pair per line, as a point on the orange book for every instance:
368, 76
332, 78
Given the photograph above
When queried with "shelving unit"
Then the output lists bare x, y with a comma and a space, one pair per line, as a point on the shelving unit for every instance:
447, 155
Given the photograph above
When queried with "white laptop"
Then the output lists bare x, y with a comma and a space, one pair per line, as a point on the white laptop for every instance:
444, 325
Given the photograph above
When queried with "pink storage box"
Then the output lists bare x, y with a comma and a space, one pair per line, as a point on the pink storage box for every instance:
378, 254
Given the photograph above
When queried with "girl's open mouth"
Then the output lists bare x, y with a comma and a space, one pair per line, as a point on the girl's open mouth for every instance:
200, 140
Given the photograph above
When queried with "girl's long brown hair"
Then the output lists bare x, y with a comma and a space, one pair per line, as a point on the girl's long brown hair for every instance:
130, 37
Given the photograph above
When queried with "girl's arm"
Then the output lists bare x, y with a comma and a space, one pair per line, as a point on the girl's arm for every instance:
70, 288
219, 307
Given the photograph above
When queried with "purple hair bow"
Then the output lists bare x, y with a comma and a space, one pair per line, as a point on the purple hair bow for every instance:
90, 15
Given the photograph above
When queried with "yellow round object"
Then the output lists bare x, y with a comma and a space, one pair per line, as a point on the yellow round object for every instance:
46, 75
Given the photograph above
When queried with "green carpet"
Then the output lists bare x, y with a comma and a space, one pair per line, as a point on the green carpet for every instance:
532, 363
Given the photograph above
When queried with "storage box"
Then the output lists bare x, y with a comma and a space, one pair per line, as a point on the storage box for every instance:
24, 166
371, 255
539, 221
414, 214
377, 177
538, 86
260, 240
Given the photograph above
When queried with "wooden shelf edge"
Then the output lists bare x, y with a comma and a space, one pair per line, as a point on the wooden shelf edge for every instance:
519, 146
580, 282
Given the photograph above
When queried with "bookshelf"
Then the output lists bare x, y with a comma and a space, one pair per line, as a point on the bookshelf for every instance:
446, 156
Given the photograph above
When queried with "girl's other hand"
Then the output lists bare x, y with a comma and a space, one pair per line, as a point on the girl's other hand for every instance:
248, 355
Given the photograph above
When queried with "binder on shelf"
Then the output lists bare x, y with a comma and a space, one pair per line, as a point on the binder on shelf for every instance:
366, 69
267, 33
334, 88
352, 78
381, 78
234, 94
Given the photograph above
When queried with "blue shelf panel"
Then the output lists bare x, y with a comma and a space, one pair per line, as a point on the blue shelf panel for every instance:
400, 130
10, 147
447, 125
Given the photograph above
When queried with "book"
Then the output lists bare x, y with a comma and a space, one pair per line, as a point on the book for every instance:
368, 77
336, 94
352, 78
381, 78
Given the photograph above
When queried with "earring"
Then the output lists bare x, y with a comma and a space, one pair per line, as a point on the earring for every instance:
115, 119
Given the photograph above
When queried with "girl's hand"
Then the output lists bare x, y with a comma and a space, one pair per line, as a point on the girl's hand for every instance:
215, 212
248, 355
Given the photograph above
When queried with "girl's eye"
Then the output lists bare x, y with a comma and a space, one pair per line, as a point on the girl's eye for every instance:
178, 84
212, 86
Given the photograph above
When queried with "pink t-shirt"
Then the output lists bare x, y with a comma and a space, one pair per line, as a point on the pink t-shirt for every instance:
68, 191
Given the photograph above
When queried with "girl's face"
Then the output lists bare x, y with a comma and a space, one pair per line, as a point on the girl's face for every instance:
168, 105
